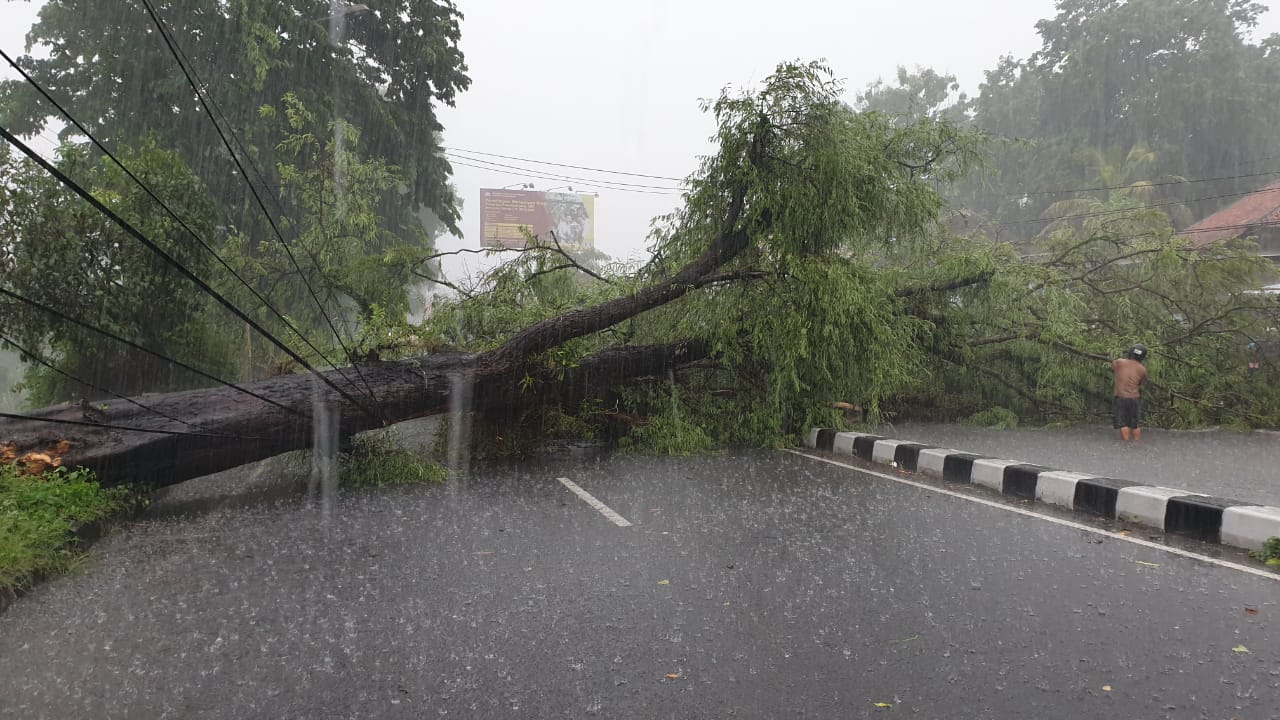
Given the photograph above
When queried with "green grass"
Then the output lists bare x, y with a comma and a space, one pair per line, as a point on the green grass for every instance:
38, 514
379, 459
1270, 552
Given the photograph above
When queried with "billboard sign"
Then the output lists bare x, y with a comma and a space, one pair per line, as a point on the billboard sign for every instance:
505, 216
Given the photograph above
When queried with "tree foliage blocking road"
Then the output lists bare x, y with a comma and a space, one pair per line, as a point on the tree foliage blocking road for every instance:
807, 265
774, 288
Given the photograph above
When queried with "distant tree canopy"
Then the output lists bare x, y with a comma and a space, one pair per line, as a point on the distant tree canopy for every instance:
1135, 118
1121, 92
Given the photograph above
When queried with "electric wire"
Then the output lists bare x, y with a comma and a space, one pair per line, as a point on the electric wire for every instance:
563, 177
109, 426
168, 210
564, 165
177, 363
171, 44
93, 386
1117, 211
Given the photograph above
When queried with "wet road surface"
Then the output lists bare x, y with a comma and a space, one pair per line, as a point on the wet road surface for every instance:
760, 585
1245, 466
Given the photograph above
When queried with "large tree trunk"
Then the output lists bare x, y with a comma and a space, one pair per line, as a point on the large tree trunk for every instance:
229, 428
225, 428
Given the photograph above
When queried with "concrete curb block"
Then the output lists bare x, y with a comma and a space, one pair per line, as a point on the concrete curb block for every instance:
1213, 519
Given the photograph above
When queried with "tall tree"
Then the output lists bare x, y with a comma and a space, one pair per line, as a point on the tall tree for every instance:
348, 189
61, 252
919, 94
1181, 78
385, 70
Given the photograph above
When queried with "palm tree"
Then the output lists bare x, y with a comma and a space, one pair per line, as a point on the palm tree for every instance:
1113, 171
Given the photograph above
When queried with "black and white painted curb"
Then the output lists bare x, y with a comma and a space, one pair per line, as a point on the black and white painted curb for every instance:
1213, 519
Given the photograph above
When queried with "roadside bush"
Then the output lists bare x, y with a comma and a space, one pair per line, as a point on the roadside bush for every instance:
380, 459
38, 516
1270, 552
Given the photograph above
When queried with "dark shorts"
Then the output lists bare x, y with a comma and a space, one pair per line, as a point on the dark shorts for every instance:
1125, 411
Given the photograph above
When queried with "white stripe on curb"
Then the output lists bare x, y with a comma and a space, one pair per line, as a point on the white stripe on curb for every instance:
989, 472
1146, 504
933, 461
883, 451
844, 442
1059, 488
811, 440
590, 499
1250, 526
1057, 521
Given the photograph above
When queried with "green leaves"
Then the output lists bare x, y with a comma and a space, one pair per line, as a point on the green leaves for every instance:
37, 515
341, 262
386, 74
1038, 336
60, 251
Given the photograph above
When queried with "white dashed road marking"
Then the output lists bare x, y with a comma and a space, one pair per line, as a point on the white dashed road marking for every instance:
1048, 518
590, 499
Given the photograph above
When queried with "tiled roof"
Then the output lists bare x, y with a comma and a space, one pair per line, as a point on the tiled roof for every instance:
1237, 219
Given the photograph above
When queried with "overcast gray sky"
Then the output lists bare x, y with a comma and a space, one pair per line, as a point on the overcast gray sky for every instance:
616, 85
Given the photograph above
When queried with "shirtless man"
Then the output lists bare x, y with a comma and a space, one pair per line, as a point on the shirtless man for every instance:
1129, 372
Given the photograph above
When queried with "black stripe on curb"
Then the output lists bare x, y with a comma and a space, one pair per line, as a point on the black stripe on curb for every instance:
958, 467
1194, 515
1199, 516
865, 445
826, 439
907, 455
1097, 496
1020, 480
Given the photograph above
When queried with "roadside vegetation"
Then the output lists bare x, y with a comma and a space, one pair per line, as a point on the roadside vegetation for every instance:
381, 459
1269, 553
39, 516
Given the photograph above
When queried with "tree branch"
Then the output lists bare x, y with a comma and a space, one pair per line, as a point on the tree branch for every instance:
979, 279
995, 340
734, 276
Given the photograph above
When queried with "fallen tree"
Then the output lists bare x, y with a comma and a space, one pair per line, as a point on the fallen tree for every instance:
233, 430
801, 190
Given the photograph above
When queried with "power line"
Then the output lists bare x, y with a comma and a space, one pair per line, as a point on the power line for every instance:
196, 236
1239, 226
177, 363
1146, 185
563, 177
199, 85
558, 179
185, 271
565, 165
1100, 213
200, 95
42, 361
1036, 193
108, 426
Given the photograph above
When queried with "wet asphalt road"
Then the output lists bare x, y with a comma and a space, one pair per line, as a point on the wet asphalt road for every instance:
768, 585
1245, 466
